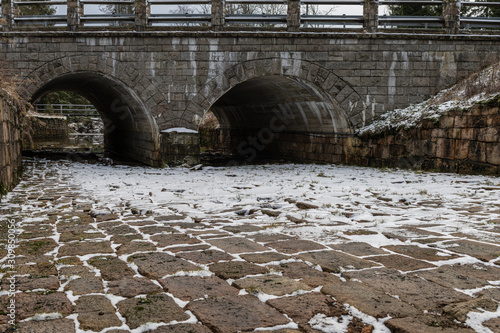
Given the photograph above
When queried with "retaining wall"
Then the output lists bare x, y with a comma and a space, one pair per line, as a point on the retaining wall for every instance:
10, 143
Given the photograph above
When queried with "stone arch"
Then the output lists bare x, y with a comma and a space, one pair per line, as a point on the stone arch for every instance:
126, 100
340, 93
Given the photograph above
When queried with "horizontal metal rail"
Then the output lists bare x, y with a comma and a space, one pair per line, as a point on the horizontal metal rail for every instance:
179, 2
68, 109
261, 18
110, 2
180, 17
146, 18
45, 3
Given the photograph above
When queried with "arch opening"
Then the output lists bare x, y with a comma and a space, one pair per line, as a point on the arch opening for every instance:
277, 117
130, 132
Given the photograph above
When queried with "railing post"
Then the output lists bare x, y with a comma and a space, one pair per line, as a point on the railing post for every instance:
293, 15
451, 16
141, 15
73, 15
370, 15
218, 15
7, 15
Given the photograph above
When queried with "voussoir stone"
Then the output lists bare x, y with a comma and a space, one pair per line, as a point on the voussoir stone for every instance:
229, 314
156, 308
158, 264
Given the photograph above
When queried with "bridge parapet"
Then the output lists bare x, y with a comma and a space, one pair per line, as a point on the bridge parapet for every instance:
216, 17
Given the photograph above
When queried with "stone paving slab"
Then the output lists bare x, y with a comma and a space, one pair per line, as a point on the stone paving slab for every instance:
424, 295
91, 263
230, 314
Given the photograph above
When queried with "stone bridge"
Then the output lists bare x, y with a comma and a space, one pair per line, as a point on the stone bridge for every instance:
262, 85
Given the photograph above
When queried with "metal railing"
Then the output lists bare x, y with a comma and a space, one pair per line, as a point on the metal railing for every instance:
218, 15
70, 110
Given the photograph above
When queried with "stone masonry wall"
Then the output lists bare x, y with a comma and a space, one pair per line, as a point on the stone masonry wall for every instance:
10, 144
48, 127
461, 141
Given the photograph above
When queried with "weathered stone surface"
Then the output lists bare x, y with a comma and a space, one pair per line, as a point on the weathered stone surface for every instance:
271, 284
81, 271
459, 311
493, 324
423, 253
174, 239
182, 328
69, 236
83, 248
29, 304
105, 217
462, 276
47, 326
96, 313
236, 229
189, 288
401, 263
368, 300
421, 325
136, 246
302, 308
493, 293
85, 286
334, 261
157, 308
198, 247
130, 287
157, 264
308, 275
262, 258
305, 205
230, 314
236, 269
295, 246
268, 238
358, 249
112, 268
411, 289
206, 256
36, 247
24, 283
237, 245
156, 229
484, 252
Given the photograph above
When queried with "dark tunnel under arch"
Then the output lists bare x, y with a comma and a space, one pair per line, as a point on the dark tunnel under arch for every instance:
279, 117
130, 130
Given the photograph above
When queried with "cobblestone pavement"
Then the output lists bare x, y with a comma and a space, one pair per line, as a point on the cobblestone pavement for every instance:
331, 259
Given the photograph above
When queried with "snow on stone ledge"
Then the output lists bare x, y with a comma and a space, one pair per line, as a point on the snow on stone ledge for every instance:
476, 88
179, 130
